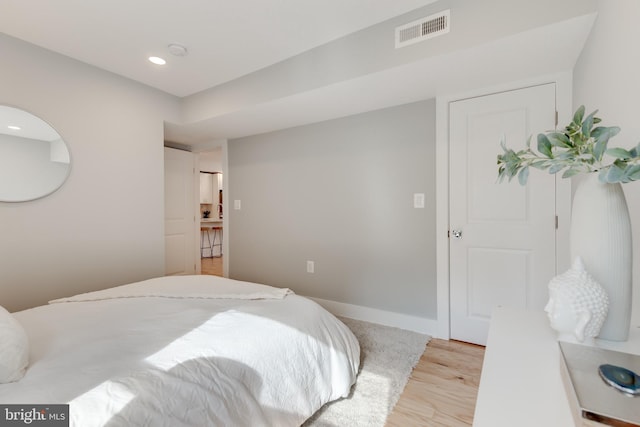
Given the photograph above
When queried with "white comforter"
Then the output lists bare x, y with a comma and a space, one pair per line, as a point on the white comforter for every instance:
186, 351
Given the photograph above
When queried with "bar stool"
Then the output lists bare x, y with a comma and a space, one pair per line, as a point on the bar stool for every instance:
217, 233
203, 243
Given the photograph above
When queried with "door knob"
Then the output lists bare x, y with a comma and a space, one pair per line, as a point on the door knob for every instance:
457, 234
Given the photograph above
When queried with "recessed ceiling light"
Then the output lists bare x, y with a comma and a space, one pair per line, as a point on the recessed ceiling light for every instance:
157, 60
12, 127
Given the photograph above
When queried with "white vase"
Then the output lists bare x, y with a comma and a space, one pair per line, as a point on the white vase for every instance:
601, 235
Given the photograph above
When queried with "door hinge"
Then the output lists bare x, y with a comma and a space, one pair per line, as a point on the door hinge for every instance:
556, 222
556, 119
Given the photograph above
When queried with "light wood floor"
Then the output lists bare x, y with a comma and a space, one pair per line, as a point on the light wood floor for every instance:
443, 387
212, 266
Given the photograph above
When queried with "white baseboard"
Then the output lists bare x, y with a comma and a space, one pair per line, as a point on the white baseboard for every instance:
382, 317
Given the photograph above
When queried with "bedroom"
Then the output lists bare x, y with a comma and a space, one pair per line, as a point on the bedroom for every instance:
104, 227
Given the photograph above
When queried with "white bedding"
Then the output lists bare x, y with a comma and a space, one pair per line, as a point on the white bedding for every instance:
186, 351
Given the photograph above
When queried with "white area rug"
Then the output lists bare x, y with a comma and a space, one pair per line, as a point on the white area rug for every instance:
388, 355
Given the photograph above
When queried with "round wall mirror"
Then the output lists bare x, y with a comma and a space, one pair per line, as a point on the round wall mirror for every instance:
34, 160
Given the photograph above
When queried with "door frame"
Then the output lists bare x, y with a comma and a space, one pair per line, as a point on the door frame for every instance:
563, 82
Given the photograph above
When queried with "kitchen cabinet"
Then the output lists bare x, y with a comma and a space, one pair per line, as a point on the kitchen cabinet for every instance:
207, 188
211, 188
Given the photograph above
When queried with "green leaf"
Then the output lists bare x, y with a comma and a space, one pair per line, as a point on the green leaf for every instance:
614, 174
620, 153
605, 132
600, 132
578, 115
599, 149
601, 136
559, 139
512, 169
586, 158
621, 163
571, 172
523, 176
587, 125
510, 156
634, 173
544, 145
501, 174
539, 164
602, 175
557, 167
565, 155
613, 131
625, 174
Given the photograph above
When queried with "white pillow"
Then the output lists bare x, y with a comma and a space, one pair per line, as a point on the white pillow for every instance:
14, 348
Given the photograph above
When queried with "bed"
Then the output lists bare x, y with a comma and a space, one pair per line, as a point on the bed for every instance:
185, 351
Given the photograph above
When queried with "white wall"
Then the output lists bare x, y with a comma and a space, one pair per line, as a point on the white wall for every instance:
606, 79
104, 227
211, 161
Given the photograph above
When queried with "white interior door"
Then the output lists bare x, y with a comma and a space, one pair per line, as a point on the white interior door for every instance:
180, 203
502, 238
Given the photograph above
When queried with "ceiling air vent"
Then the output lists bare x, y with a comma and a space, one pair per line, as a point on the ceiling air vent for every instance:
423, 29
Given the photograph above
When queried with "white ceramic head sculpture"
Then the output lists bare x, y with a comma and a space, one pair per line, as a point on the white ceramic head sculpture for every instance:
577, 305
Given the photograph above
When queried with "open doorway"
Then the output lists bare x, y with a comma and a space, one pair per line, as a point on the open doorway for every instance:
210, 166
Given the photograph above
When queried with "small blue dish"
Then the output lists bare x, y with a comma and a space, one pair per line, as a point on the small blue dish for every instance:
620, 378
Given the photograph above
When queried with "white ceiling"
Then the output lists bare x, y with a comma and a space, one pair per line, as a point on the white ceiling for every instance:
225, 38
520, 57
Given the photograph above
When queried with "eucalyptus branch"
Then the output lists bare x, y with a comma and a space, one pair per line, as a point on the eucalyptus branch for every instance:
579, 148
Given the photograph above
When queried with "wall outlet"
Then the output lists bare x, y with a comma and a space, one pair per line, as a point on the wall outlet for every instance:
311, 266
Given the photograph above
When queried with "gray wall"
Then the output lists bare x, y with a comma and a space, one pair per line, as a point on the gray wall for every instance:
104, 227
340, 193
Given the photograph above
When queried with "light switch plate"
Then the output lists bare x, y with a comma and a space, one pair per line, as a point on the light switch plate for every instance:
418, 200
237, 205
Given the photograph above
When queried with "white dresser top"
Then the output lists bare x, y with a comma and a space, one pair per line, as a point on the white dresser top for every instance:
521, 383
